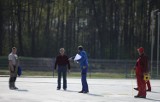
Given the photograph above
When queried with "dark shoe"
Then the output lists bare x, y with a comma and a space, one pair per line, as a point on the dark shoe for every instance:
85, 91
142, 96
136, 89
64, 89
15, 88
58, 88
149, 90
11, 88
80, 92
139, 96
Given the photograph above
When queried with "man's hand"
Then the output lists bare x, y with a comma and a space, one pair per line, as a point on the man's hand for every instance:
11, 66
12, 69
70, 59
76, 61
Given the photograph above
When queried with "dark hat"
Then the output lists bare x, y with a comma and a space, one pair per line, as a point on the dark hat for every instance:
80, 48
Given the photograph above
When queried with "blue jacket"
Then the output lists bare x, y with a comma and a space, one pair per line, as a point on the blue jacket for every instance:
84, 59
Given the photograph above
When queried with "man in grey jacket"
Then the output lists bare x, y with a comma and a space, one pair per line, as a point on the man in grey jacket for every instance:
13, 67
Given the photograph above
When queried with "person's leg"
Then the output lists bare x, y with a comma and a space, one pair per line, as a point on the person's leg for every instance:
82, 84
14, 80
11, 82
59, 78
137, 83
87, 90
84, 81
148, 85
141, 87
65, 78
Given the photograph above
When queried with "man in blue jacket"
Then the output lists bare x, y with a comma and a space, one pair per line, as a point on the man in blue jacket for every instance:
84, 68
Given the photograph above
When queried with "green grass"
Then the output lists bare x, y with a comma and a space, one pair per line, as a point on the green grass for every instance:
71, 74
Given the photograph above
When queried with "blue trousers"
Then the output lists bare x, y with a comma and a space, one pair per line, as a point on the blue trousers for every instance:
62, 70
84, 79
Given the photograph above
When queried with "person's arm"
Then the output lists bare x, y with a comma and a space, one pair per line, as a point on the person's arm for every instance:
83, 57
17, 63
134, 68
146, 64
11, 68
68, 63
55, 65
143, 65
71, 58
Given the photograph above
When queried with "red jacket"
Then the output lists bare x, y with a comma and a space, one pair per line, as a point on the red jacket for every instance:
142, 65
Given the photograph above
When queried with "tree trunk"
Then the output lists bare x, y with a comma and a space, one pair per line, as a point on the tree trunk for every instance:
20, 27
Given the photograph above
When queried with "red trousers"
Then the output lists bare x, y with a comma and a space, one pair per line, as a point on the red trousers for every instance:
148, 85
141, 85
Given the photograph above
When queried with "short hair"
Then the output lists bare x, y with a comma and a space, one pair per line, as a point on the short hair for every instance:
80, 48
61, 49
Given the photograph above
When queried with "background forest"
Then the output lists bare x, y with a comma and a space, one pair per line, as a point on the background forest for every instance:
108, 29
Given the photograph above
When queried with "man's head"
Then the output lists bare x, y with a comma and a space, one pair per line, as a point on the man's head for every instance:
80, 48
140, 50
14, 50
62, 51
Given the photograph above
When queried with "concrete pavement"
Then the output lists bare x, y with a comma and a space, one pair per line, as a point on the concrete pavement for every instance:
101, 90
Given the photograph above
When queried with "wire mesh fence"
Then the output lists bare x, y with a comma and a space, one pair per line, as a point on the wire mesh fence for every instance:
124, 67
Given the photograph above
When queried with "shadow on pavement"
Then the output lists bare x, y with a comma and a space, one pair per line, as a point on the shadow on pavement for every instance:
153, 99
154, 92
22, 90
95, 95
84, 93
71, 91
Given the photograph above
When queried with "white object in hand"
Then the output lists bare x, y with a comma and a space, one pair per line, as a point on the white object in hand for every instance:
77, 57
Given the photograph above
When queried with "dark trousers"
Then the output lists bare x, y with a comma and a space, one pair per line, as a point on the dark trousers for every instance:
12, 81
84, 79
62, 70
13, 77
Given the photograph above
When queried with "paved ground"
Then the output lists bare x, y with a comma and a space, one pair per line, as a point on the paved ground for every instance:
101, 90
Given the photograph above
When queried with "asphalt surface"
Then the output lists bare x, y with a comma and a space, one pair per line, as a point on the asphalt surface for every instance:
101, 90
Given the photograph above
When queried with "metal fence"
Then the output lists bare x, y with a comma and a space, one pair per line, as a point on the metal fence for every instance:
105, 66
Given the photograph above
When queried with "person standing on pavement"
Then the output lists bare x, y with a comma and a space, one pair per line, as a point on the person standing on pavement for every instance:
13, 67
141, 69
148, 81
62, 62
84, 68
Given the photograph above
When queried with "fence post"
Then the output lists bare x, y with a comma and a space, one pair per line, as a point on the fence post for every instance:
126, 70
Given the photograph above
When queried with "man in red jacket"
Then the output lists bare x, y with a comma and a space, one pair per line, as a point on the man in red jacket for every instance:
141, 69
